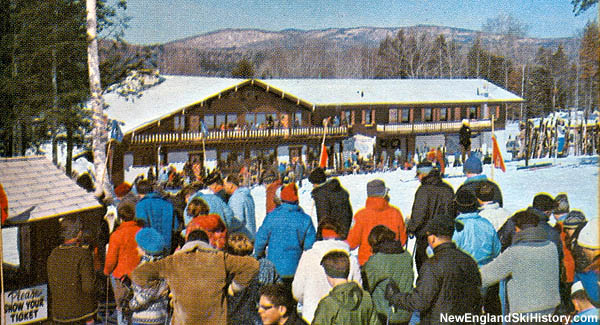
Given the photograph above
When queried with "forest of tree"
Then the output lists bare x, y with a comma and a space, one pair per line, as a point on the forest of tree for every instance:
44, 73
560, 76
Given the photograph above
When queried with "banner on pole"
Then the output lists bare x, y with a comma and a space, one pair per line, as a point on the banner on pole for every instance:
324, 157
497, 155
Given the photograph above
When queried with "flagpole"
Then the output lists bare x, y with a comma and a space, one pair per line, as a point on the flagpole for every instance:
493, 166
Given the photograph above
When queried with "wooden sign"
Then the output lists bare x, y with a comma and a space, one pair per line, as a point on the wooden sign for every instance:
26, 306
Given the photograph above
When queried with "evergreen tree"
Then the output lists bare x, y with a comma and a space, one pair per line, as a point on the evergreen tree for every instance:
244, 69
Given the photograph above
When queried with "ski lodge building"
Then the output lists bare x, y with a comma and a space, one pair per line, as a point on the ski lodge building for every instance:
222, 120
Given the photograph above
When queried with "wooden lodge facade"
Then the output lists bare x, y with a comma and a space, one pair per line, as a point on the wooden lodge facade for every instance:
222, 120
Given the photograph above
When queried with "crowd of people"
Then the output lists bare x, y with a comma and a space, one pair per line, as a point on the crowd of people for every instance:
199, 256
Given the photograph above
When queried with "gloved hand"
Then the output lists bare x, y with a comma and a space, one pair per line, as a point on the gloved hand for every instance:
391, 289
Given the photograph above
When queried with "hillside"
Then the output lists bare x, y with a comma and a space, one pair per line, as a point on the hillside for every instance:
332, 52
256, 39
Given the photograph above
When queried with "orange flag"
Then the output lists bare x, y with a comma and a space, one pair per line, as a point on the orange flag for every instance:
3, 204
324, 157
497, 155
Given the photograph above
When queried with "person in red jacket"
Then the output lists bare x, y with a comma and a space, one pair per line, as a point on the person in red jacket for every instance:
122, 256
377, 211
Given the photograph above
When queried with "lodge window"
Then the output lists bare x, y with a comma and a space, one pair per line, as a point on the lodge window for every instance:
367, 117
232, 120
261, 118
298, 119
428, 116
179, 123
393, 115
220, 121
443, 114
473, 112
346, 117
209, 121
405, 115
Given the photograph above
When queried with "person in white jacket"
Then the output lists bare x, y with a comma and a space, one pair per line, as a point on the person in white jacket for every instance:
310, 282
490, 209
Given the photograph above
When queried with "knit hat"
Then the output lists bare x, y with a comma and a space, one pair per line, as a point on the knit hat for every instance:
317, 176
588, 237
440, 226
544, 202
465, 200
376, 188
150, 241
290, 193
574, 219
562, 204
576, 287
122, 189
472, 165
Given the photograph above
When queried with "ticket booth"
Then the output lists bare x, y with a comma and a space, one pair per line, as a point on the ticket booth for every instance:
38, 195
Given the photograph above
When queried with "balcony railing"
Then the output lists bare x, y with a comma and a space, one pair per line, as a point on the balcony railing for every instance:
432, 127
233, 135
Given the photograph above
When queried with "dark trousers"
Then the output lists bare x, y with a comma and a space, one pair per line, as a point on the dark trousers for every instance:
491, 300
420, 251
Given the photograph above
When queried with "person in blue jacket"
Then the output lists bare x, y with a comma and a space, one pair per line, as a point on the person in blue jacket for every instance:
287, 231
587, 313
242, 205
155, 211
478, 237
216, 205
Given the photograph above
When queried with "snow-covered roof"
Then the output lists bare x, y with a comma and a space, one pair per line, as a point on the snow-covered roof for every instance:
37, 190
325, 92
177, 92
174, 93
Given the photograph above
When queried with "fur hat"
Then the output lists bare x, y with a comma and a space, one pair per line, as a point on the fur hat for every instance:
440, 226
150, 241
588, 237
562, 204
317, 176
376, 188
485, 191
574, 219
465, 200
544, 202
472, 165
289, 193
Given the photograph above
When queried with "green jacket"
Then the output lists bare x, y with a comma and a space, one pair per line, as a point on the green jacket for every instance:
346, 303
390, 262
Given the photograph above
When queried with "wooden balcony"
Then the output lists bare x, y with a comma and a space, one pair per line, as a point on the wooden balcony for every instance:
238, 135
432, 127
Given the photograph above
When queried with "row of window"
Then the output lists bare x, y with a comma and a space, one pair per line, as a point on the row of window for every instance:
347, 117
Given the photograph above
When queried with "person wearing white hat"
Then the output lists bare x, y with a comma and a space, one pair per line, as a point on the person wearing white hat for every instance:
586, 312
588, 240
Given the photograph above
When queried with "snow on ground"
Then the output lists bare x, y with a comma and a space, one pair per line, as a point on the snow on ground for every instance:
576, 176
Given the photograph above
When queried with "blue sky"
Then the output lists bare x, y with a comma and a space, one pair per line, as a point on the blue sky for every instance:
159, 21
